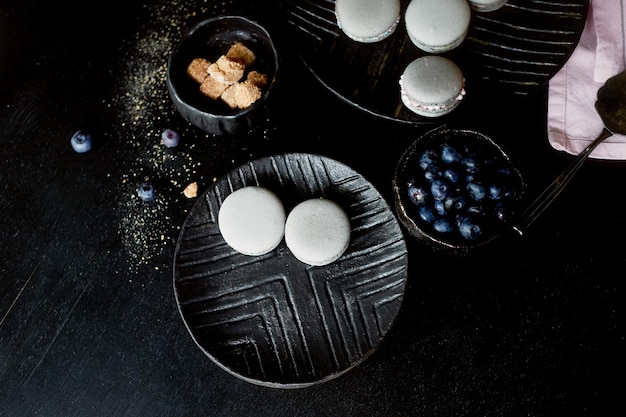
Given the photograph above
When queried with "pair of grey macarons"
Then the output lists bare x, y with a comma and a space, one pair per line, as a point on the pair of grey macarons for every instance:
434, 25
253, 221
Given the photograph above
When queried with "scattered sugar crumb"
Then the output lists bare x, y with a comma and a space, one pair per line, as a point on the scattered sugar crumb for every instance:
147, 230
191, 191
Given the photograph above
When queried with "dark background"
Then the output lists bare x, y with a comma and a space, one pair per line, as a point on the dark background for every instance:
88, 321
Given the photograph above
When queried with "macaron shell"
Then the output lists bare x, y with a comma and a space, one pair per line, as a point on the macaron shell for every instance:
317, 231
432, 81
425, 111
437, 26
486, 5
252, 220
367, 20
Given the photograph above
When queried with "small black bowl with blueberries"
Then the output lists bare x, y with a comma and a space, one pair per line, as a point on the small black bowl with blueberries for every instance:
456, 189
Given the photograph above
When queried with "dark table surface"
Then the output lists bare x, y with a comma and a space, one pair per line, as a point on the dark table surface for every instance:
88, 320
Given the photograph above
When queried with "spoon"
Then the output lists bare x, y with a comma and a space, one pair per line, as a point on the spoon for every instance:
611, 106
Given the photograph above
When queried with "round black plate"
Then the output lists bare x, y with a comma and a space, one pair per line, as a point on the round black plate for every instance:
271, 319
508, 52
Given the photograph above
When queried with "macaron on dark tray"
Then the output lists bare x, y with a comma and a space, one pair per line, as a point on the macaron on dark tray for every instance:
512, 50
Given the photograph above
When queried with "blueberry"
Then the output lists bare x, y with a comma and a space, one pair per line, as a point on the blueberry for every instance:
440, 189
146, 191
432, 173
471, 163
504, 171
443, 225
416, 194
510, 193
451, 175
477, 191
509, 189
440, 207
455, 203
496, 191
81, 141
475, 209
427, 158
426, 214
469, 229
502, 212
170, 138
450, 154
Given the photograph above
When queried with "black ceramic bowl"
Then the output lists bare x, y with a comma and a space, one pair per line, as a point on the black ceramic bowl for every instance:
210, 39
456, 190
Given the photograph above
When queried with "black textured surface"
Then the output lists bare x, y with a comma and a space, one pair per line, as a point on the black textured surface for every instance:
88, 319
509, 52
271, 319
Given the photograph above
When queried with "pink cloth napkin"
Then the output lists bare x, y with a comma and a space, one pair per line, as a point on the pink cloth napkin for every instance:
601, 53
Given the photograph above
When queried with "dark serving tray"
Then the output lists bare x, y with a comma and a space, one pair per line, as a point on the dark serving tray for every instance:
271, 319
507, 53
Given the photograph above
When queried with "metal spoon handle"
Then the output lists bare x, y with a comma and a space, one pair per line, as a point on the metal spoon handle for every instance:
551, 192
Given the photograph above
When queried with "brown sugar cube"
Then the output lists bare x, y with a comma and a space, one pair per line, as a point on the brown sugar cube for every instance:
229, 96
246, 94
257, 78
226, 70
216, 73
241, 95
212, 88
198, 69
232, 69
240, 52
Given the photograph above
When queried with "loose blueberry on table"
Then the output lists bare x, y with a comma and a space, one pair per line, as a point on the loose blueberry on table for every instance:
170, 138
81, 141
146, 191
